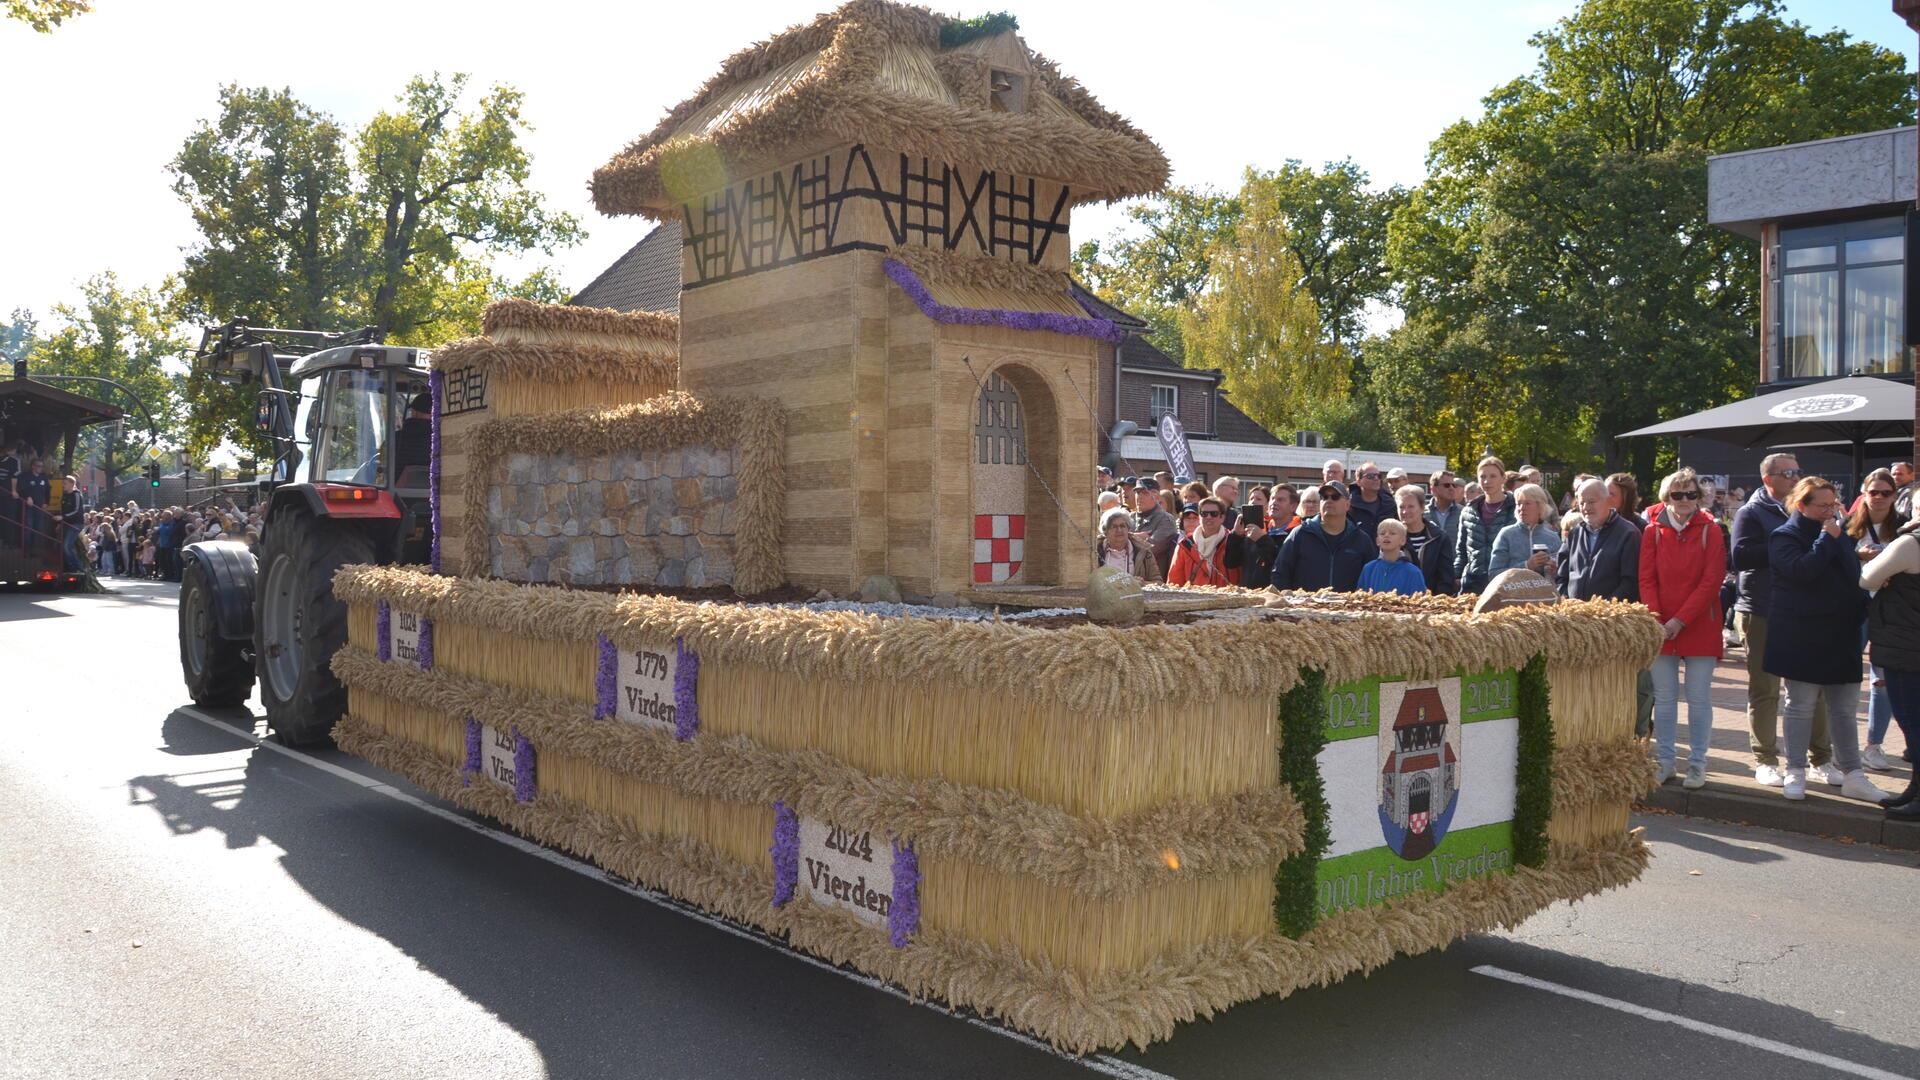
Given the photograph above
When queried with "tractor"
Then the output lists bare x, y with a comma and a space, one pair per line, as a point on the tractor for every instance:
349, 484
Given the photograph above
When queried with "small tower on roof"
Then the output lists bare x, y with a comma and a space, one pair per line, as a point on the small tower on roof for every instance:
874, 209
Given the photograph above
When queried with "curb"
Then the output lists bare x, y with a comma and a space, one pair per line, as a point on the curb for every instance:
1817, 816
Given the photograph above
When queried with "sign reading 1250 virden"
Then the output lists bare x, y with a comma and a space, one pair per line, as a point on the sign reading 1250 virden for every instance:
1419, 780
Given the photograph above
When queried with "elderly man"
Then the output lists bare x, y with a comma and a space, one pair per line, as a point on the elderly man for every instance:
1903, 484
1151, 518
1371, 505
1602, 553
1396, 479
1227, 490
1333, 472
1447, 496
1326, 553
1764, 511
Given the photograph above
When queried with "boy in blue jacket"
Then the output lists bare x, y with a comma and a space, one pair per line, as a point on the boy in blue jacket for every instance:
1390, 572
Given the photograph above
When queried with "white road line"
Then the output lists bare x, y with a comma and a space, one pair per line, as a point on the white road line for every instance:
1812, 1057
1103, 1064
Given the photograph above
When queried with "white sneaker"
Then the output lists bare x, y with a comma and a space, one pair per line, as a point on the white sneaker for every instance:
1768, 775
1830, 773
1874, 757
1662, 771
1795, 785
1857, 786
1696, 776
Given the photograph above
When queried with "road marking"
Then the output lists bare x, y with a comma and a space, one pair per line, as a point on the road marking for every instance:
1812, 1057
1104, 1064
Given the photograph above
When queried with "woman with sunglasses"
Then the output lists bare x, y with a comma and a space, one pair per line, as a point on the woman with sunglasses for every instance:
1683, 556
1201, 556
1873, 525
1813, 642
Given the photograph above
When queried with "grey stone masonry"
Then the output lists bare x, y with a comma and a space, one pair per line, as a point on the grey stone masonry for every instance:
657, 517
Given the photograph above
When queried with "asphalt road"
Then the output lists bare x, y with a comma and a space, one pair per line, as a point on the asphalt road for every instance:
179, 901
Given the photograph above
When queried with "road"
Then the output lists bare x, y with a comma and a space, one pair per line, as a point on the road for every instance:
178, 900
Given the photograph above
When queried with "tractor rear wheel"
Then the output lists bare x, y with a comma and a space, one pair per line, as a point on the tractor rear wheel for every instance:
298, 625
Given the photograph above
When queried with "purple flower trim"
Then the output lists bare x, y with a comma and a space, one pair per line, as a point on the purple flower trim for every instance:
606, 680
384, 650
425, 651
436, 386
524, 789
785, 852
903, 918
686, 678
1078, 326
472, 767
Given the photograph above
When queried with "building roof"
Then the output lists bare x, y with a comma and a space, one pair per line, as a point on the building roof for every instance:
646, 278
41, 402
1852, 173
1232, 425
893, 75
1100, 309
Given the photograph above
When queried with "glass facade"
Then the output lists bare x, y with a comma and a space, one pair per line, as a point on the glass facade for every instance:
1839, 300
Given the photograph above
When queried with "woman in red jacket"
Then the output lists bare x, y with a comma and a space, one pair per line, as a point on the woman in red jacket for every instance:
1200, 558
1683, 557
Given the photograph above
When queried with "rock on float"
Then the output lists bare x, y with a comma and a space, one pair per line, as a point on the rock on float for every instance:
874, 209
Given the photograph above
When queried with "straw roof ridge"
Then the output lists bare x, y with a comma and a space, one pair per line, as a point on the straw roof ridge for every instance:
515, 313
1067, 665
839, 96
994, 827
560, 363
1074, 1012
935, 266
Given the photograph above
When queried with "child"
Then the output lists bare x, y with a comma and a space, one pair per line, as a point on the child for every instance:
1390, 572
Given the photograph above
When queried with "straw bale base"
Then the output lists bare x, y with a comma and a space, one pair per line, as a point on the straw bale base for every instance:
1077, 1013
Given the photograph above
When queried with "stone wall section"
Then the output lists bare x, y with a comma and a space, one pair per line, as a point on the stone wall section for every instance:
657, 517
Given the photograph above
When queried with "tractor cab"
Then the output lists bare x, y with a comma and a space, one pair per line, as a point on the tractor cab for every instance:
357, 421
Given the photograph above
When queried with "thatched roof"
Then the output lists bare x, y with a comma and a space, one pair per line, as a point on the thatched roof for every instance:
875, 71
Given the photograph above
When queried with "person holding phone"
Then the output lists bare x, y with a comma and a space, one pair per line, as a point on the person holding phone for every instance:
1533, 541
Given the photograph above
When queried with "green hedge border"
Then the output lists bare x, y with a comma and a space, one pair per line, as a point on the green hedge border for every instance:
1533, 776
1303, 734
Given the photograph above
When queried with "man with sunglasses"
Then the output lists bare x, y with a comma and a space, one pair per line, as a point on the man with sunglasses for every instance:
1447, 495
1369, 503
1328, 552
1764, 511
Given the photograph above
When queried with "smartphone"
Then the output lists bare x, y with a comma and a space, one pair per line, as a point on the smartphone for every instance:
1254, 514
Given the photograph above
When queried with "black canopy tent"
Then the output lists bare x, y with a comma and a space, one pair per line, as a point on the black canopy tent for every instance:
1851, 411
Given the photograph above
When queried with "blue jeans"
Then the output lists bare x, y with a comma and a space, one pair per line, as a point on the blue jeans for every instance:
1879, 709
1797, 718
1666, 706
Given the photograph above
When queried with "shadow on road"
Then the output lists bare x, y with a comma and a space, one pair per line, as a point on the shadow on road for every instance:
604, 984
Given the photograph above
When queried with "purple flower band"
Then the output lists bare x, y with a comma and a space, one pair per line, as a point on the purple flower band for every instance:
436, 386
472, 766
384, 650
903, 918
524, 788
686, 678
606, 680
785, 852
1053, 322
425, 651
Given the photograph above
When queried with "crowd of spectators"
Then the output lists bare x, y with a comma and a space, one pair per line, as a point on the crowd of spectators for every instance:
135, 543
1713, 567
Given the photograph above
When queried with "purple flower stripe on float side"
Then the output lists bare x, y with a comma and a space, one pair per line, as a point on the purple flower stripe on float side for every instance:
524, 787
384, 650
606, 680
425, 651
436, 385
903, 918
472, 766
785, 852
1076, 325
686, 679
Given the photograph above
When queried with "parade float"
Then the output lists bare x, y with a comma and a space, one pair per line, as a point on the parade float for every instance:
625, 647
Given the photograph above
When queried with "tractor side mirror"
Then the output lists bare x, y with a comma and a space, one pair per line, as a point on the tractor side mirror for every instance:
263, 414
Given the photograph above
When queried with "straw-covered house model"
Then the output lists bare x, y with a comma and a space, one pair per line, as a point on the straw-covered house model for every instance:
874, 209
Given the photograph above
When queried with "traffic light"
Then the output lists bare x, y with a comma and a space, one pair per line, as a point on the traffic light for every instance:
153, 474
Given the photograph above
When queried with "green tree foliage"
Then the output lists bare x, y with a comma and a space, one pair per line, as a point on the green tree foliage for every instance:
43, 15
1256, 320
398, 225
1336, 230
1557, 265
123, 336
1159, 265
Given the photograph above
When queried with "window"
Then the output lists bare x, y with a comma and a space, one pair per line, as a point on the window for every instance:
1166, 399
1840, 292
1006, 91
356, 426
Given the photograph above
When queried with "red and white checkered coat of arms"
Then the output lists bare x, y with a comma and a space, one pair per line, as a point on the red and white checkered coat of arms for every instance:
999, 543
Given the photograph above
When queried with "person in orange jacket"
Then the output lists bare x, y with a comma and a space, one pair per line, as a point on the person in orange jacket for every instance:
1200, 558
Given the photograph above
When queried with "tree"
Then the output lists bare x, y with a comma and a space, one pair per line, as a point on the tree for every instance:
124, 337
1256, 321
1337, 232
1562, 236
43, 15
397, 226
1162, 268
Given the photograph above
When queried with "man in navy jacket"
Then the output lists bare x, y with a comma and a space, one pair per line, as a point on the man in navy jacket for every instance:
1327, 552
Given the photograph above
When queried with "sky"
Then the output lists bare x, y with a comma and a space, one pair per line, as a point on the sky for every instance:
91, 114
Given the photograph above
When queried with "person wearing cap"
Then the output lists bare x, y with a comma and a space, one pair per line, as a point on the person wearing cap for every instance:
1103, 477
1327, 552
1123, 549
1369, 504
1200, 558
1396, 479
1152, 519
